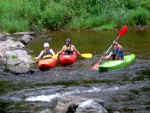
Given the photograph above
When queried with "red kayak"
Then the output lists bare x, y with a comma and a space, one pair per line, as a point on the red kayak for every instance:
47, 63
68, 59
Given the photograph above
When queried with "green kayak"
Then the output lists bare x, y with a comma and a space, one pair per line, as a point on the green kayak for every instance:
117, 64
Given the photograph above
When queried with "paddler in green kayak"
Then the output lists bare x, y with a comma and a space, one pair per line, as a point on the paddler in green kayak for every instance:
116, 54
46, 53
68, 48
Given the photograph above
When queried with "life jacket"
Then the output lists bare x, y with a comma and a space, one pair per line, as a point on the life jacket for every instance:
117, 54
68, 50
46, 54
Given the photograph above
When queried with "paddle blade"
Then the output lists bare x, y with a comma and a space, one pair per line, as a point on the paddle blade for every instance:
123, 31
55, 56
86, 55
95, 66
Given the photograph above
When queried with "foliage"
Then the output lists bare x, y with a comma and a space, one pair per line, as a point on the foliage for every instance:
14, 56
26, 15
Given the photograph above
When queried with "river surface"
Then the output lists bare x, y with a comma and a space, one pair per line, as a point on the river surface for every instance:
125, 90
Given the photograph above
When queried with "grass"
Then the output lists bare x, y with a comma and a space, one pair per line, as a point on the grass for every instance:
38, 15
14, 56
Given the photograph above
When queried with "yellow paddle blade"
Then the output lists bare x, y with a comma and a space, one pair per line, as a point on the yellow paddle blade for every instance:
87, 55
55, 56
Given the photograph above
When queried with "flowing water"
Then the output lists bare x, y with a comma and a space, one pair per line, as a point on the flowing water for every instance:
126, 90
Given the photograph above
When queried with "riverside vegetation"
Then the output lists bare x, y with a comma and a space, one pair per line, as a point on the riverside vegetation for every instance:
38, 15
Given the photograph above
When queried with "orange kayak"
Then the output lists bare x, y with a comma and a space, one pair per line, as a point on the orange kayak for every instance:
47, 63
68, 59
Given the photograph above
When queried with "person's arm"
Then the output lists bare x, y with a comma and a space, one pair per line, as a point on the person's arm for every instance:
40, 55
106, 57
52, 52
76, 50
59, 52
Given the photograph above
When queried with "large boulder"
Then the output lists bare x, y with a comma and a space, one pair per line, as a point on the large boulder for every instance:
69, 104
90, 106
14, 57
18, 61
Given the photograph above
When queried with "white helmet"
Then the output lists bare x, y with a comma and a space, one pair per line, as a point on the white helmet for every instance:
46, 45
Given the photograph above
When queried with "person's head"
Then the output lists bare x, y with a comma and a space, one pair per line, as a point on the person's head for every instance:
46, 46
68, 41
115, 45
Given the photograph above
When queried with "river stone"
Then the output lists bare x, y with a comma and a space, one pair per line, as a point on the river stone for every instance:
46, 111
20, 68
18, 61
11, 38
90, 106
21, 54
25, 39
2, 37
64, 104
24, 33
8, 44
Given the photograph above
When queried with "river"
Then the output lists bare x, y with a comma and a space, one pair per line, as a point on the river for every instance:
125, 90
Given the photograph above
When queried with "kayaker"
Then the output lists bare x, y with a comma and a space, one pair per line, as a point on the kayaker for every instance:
116, 54
68, 48
46, 53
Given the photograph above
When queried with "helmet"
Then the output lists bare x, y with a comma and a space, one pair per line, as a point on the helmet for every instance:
46, 45
68, 40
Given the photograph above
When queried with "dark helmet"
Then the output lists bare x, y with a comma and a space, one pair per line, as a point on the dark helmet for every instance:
68, 40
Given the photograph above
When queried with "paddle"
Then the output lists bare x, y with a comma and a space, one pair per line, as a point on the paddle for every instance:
121, 33
55, 56
85, 55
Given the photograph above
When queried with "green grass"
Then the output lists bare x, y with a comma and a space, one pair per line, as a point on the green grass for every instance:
38, 15
14, 56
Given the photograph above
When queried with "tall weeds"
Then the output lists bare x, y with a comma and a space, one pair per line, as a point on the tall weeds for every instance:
26, 15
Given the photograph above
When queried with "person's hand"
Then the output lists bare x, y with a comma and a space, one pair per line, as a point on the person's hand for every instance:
102, 57
115, 43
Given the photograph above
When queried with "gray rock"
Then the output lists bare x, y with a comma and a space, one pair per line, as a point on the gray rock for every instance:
9, 44
24, 33
14, 57
90, 106
18, 61
20, 68
2, 37
25, 39
46, 111
11, 38
65, 103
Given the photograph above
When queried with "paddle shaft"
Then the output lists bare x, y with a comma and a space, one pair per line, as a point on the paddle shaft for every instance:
109, 49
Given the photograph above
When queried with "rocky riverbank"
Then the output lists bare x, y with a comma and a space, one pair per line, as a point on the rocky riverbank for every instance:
13, 55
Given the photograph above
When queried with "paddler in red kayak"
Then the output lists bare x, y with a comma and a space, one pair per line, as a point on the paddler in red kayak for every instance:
116, 54
46, 53
68, 48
